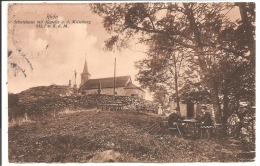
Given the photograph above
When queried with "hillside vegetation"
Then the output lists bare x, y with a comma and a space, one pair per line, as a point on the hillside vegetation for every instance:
76, 136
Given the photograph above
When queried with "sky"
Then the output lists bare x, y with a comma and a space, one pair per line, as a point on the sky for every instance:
55, 53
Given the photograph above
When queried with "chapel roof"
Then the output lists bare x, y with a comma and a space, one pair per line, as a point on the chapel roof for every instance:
108, 82
130, 85
85, 69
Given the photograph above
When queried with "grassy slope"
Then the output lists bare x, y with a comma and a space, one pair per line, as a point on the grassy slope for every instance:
76, 137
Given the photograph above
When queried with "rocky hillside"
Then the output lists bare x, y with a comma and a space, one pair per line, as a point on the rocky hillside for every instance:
85, 136
43, 92
48, 100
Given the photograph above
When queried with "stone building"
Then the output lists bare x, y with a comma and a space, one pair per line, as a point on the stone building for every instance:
123, 85
190, 109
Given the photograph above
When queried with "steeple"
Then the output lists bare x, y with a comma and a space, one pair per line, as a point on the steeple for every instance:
85, 69
85, 74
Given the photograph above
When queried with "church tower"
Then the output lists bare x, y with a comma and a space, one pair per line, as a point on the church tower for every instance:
85, 74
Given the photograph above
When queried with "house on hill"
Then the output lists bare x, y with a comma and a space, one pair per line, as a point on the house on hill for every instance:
123, 85
192, 101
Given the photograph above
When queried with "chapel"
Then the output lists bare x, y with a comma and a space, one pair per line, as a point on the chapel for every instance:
123, 85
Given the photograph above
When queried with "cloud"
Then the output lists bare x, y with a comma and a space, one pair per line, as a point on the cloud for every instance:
66, 52
34, 43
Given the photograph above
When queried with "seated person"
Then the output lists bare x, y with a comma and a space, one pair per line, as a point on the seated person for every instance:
206, 123
173, 118
206, 120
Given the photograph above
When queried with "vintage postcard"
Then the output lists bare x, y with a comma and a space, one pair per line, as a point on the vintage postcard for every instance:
132, 82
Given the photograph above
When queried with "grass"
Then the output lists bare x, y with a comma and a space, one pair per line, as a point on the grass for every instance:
68, 111
76, 137
19, 121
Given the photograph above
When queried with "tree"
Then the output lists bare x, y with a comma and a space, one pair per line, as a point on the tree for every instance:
234, 72
167, 65
246, 27
161, 96
14, 65
235, 81
197, 27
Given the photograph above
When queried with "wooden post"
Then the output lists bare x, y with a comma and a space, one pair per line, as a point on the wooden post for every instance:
26, 117
75, 74
114, 98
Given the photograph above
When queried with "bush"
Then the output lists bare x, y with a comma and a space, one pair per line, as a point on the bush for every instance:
13, 100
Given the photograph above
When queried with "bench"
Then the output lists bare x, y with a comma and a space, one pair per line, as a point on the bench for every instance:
116, 106
173, 129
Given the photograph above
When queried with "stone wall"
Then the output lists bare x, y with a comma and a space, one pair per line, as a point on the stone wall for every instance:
49, 105
138, 92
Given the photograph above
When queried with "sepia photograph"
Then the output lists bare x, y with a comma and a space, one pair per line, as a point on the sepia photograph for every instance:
131, 82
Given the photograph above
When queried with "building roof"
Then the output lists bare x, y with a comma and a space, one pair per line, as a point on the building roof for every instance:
121, 81
130, 85
85, 69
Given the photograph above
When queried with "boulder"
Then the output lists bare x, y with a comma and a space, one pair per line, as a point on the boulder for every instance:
105, 156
